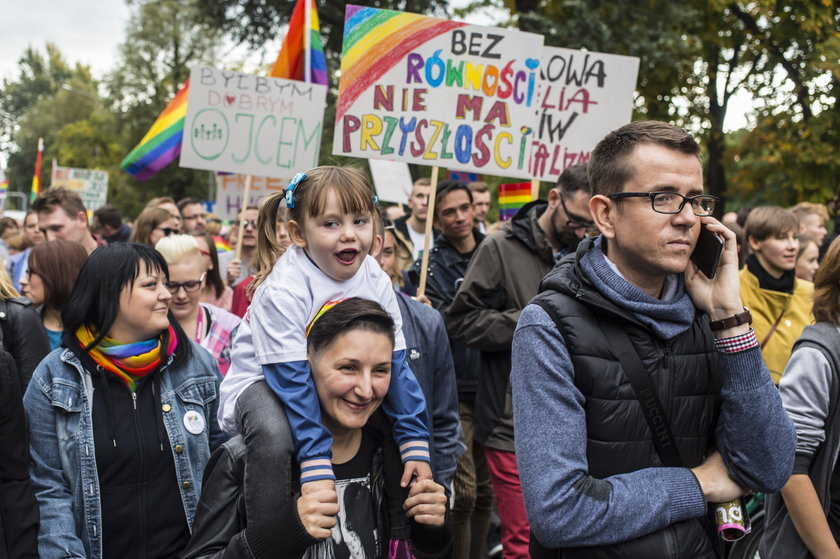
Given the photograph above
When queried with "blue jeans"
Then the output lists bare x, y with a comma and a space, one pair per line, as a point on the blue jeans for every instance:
269, 450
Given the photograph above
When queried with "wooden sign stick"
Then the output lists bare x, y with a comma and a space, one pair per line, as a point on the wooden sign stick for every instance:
424, 263
245, 196
535, 189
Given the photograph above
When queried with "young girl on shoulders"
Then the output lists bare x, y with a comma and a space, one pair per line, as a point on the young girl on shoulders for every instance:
331, 212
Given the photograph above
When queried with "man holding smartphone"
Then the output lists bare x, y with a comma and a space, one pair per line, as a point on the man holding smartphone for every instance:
590, 443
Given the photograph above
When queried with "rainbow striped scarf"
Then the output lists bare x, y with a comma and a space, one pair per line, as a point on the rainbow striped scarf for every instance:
130, 362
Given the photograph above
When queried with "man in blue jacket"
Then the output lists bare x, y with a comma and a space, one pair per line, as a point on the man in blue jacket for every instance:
593, 481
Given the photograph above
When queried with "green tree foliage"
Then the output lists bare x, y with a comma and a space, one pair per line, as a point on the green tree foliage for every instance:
696, 55
47, 95
164, 38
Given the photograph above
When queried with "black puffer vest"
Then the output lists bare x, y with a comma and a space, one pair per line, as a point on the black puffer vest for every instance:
618, 438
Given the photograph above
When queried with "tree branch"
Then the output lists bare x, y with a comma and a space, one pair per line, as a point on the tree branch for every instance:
793, 73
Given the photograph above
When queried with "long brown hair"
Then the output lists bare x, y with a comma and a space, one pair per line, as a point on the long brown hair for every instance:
827, 286
58, 264
351, 186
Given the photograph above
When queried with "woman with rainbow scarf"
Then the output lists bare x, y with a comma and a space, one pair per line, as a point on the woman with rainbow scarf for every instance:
122, 416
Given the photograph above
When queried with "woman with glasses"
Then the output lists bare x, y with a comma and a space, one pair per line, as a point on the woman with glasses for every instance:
214, 292
152, 225
49, 280
123, 418
209, 326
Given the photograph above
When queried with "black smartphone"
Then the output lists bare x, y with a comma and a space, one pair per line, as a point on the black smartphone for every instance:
706, 255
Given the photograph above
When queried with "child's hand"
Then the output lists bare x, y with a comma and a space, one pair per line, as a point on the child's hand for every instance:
311, 487
426, 503
415, 468
317, 511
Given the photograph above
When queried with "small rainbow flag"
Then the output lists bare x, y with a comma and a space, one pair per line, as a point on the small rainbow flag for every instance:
301, 55
374, 41
162, 143
221, 244
36, 178
512, 197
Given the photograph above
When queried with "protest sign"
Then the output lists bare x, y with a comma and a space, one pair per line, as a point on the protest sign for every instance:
231, 188
437, 92
90, 184
242, 123
392, 180
583, 96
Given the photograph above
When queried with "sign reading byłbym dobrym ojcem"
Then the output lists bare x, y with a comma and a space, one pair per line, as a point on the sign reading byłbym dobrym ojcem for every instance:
243, 123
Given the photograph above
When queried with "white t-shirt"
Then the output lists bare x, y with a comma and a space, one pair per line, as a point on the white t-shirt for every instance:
274, 328
417, 240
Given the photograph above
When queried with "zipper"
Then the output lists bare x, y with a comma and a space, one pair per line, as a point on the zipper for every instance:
142, 482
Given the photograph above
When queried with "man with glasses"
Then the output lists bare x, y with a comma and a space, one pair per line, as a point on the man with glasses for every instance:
502, 277
193, 216
235, 269
639, 393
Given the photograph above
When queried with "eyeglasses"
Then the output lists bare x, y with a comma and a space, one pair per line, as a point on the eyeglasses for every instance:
673, 202
190, 286
167, 231
247, 222
575, 222
204, 252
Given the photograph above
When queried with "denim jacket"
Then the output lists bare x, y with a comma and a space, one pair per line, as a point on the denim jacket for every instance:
63, 466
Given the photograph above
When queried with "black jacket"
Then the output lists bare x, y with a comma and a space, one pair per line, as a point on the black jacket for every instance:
18, 508
22, 334
502, 278
446, 271
222, 530
684, 370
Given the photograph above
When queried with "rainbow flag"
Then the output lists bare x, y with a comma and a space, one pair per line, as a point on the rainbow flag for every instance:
375, 41
512, 197
301, 55
36, 178
221, 244
162, 143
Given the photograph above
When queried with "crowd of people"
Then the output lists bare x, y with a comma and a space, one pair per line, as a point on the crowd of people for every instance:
567, 383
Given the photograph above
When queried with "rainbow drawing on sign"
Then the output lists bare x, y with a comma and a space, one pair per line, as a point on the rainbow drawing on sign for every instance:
512, 197
375, 41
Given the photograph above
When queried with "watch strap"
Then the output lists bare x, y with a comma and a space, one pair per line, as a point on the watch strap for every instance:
732, 321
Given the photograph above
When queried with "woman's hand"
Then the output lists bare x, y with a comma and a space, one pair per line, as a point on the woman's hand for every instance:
317, 512
426, 503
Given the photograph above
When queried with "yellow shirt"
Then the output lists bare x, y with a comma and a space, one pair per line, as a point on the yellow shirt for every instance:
766, 306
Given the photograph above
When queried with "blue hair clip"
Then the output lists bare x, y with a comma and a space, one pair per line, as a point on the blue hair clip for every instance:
290, 190
375, 199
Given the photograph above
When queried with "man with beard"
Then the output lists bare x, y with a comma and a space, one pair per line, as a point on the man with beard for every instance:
502, 277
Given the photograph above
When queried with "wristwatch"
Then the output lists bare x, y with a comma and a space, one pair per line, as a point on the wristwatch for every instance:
732, 321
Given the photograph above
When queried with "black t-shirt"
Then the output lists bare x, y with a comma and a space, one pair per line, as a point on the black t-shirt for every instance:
355, 533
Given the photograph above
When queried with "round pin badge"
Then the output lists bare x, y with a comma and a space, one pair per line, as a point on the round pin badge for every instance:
194, 422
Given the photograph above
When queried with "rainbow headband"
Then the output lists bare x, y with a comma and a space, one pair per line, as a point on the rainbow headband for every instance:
327, 306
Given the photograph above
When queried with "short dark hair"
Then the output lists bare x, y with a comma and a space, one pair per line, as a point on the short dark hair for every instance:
479, 186
109, 215
184, 202
7, 222
609, 169
57, 263
444, 188
351, 314
58, 196
574, 178
95, 301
